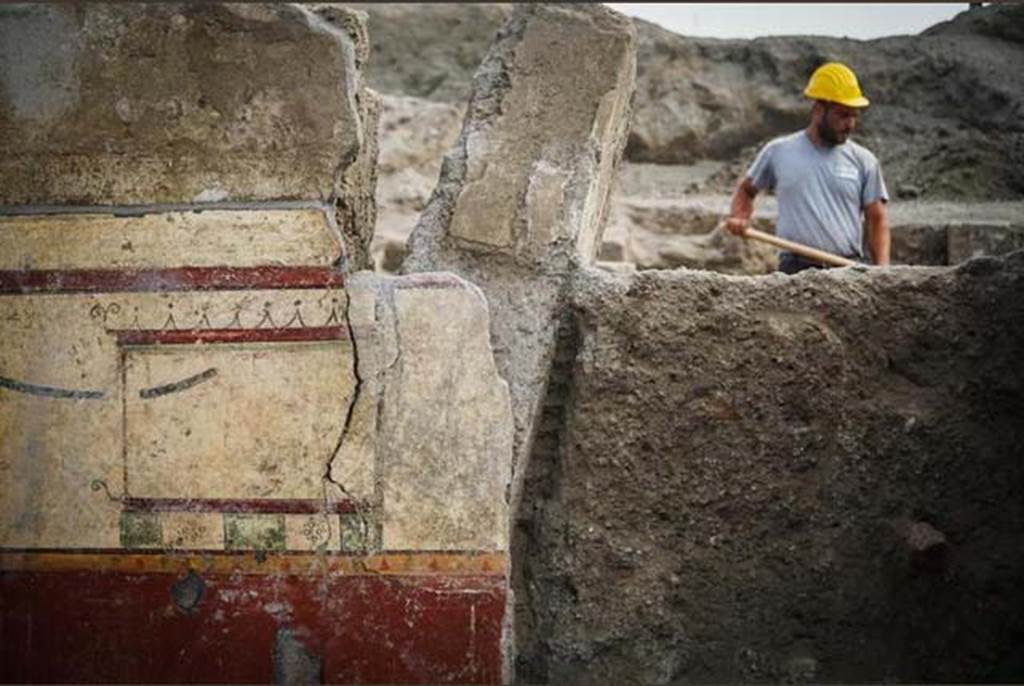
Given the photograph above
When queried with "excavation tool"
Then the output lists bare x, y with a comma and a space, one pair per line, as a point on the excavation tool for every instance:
798, 248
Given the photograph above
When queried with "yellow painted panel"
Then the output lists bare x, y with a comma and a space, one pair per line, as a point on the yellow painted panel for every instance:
213, 238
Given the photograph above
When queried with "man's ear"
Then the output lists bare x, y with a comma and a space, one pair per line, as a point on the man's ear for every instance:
818, 109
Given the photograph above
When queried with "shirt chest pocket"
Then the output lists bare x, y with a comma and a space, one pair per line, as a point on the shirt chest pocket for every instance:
845, 178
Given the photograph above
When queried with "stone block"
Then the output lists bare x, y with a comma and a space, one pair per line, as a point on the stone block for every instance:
920, 547
531, 173
119, 104
523, 196
521, 200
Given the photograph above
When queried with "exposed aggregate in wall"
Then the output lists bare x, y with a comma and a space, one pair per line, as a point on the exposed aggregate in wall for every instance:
810, 478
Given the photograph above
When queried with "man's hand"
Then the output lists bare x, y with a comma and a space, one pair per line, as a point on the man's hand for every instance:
737, 225
741, 207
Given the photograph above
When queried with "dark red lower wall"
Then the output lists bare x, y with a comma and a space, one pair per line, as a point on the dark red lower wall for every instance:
117, 627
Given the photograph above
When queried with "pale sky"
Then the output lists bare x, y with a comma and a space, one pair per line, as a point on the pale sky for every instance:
750, 20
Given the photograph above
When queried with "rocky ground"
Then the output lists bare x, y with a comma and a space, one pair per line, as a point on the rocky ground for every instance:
945, 119
664, 216
946, 124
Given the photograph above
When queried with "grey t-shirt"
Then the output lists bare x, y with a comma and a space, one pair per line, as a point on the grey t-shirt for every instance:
821, 191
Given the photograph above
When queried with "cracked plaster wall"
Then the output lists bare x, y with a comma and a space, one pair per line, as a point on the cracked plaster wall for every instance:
270, 125
402, 421
187, 367
104, 125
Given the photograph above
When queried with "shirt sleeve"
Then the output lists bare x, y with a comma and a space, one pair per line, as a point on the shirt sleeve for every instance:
873, 188
762, 171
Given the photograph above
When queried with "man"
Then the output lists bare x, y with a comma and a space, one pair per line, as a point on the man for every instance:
823, 180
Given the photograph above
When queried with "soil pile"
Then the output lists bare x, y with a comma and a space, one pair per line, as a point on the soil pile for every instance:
429, 50
945, 121
781, 479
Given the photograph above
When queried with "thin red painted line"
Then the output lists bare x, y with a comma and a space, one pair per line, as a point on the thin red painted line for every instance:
184, 336
242, 506
13, 282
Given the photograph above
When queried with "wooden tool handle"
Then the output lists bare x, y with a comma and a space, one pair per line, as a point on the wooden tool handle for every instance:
799, 248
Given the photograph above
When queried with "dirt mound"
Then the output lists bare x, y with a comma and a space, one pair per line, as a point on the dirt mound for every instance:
429, 50
783, 479
1004, 21
945, 119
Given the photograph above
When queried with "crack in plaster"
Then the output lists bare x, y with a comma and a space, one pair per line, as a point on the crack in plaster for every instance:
385, 292
389, 301
346, 427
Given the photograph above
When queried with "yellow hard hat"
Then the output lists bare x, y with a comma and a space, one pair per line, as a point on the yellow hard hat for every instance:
835, 82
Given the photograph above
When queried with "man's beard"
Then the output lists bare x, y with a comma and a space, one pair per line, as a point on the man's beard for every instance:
828, 134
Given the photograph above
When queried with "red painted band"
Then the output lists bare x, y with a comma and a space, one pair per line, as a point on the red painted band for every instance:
247, 506
172, 279
450, 563
184, 336
106, 627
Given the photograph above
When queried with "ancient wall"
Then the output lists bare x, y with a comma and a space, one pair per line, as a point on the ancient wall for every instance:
225, 456
782, 479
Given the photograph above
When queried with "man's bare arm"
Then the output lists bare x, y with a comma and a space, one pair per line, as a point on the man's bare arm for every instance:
876, 227
742, 206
